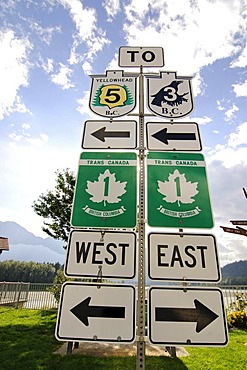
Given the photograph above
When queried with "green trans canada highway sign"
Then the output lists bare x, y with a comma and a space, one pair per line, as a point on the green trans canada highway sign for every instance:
105, 194
178, 194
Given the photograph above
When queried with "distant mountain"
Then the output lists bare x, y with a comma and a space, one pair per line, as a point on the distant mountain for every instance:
25, 246
235, 269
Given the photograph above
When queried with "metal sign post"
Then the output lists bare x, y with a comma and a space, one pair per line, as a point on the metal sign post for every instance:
141, 232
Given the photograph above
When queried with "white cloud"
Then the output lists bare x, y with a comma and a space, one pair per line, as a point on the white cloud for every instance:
14, 70
241, 61
83, 107
88, 31
26, 126
190, 29
234, 152
219, 105
112, 8
202, 120
239, 137
46, 33
38, 141
48, 66
87, 68
62, 77
240, 89
229, 114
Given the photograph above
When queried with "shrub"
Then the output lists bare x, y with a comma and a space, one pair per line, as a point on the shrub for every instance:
237, 319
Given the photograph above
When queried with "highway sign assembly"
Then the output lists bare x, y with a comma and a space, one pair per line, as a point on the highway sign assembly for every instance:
183, 257
109, 135
101, 254
187, 317
113, 94
105, 201
91, 312
178, 194
170, 96
173, 136
105, 193
141, 56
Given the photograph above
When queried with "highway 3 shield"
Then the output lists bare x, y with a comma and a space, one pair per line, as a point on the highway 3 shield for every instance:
183, 257
178, 194
113, 95
109, 254
105, 192
98, 313
109, 135
173, 136
170, 96
187, 317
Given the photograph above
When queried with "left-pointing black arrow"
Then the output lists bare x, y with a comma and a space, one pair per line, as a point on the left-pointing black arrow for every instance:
101, 134
201, 314
83, 310
165, 136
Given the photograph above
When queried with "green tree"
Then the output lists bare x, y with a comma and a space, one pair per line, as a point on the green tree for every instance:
55, 206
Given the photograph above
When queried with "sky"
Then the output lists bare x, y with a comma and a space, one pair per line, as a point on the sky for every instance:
50, 48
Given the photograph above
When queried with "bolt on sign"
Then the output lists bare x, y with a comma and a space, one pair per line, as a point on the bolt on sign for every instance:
113, 94
105, 193
170, 96
178, 194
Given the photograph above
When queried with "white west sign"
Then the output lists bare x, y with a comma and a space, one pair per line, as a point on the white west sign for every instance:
108, 254
96, 312
183, 257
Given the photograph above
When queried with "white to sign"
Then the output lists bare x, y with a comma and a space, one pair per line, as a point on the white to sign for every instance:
109, 135
187, 317
141, 56
109, 254
183, 257
98, 313
173, 136
170, 96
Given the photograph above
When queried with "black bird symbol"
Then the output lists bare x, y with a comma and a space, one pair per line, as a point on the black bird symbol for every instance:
170, 92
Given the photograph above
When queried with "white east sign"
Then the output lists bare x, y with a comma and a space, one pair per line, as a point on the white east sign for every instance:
108, 254
183, 257
187, 317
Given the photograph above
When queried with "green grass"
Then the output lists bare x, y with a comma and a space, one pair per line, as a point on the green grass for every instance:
27, 343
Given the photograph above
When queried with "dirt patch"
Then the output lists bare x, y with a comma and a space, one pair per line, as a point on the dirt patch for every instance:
108, 349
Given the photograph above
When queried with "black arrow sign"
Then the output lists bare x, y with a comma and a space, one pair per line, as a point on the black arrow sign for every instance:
164, 136
101, 134
82, 311
201, 314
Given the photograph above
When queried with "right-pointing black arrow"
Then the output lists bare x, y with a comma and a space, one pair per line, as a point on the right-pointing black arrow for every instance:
164, 136
201, 314
82, 311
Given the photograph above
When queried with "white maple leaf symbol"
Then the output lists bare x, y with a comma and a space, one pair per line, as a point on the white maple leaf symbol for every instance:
106, 189
178, 189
